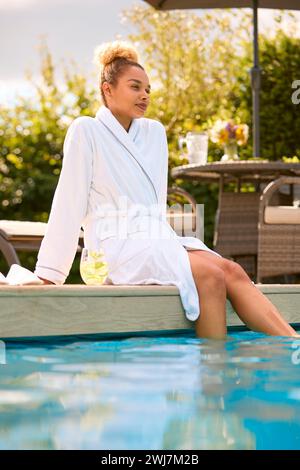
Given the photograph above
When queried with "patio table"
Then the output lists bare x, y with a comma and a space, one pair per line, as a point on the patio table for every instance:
236, 221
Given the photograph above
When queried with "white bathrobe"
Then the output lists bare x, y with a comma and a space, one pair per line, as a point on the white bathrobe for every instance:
113, 184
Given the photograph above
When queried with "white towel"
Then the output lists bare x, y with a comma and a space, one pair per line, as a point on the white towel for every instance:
19, 276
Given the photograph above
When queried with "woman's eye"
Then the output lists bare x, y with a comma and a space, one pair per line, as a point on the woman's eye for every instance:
136, 87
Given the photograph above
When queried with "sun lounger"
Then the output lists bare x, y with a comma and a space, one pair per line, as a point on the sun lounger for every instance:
18, 235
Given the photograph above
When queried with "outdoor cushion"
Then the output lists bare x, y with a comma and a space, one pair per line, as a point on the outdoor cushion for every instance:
282, 215
11, 228
16, 228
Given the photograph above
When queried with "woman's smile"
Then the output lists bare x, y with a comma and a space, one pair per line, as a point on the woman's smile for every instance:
142, 106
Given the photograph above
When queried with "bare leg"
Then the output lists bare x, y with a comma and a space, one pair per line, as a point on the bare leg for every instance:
251, 305
210, 283
257, 311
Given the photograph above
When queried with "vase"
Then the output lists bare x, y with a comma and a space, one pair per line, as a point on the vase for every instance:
230, 152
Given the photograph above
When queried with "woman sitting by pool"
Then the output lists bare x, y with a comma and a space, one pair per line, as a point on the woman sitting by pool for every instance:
121, 157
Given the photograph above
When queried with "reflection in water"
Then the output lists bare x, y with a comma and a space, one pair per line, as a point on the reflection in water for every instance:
151, 393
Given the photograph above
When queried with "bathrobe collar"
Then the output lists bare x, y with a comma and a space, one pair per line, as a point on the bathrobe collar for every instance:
105, 115
127, 139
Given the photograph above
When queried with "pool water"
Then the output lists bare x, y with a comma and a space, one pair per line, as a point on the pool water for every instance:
176, 392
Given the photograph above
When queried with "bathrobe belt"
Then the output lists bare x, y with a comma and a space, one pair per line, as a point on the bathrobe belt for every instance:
119, 225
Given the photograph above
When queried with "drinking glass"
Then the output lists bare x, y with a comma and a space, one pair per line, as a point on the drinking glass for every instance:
93, 267
197, 146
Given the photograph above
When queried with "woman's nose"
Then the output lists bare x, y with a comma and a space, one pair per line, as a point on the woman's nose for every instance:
145, 95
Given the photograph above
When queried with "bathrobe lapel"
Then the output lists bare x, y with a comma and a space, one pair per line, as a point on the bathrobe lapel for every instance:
126, 139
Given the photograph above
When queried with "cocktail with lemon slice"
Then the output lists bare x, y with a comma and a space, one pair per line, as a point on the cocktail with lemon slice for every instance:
93, 267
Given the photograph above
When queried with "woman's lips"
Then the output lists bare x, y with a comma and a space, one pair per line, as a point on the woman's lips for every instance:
142, 106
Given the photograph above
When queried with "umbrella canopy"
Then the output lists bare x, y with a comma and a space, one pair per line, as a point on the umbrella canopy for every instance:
186, 4
255, 71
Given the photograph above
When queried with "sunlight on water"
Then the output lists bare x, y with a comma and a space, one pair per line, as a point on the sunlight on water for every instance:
151, 393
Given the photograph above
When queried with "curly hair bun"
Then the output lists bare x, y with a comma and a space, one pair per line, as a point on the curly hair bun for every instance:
107, 52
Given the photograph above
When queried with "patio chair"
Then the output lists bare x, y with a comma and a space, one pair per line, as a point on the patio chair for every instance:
182, 222
236, 225
278, 233
18, 235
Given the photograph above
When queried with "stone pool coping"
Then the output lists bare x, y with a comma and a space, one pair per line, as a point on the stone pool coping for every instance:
37, 311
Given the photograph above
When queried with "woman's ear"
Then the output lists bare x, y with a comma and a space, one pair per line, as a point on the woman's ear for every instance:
106, 89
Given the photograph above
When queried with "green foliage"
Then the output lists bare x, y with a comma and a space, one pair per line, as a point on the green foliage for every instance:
279, 117
31, 140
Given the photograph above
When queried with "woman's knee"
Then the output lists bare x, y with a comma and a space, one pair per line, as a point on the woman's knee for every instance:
234, 272
212, 277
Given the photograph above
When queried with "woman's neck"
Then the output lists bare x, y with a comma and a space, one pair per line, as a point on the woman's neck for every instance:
123, 120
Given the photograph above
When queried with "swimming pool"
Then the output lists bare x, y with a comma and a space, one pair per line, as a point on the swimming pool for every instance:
175, 392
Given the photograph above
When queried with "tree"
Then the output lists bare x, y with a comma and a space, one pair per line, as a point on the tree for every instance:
279, 116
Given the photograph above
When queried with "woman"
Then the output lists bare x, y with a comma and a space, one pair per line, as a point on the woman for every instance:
113, 183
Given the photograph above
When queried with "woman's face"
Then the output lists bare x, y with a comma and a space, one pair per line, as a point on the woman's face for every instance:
130, 97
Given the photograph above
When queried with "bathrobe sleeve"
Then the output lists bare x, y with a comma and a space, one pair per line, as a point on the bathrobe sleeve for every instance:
69, 206
163, 165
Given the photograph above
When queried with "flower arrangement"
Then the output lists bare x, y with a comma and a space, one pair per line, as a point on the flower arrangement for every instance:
229, 134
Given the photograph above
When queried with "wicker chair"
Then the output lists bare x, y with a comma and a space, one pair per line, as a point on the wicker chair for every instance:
236, 226
184, 223
278, 234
